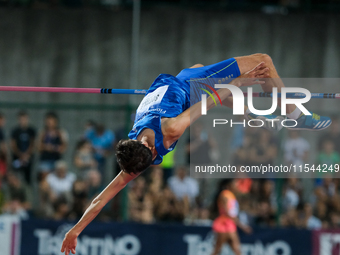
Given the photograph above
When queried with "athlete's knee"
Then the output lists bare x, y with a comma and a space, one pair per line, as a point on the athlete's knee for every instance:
257, 55
267, 59
262, 57
197, 66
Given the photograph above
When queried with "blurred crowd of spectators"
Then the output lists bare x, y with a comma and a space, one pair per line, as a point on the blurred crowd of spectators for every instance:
36, 181
290, 202
305, 203
320, 207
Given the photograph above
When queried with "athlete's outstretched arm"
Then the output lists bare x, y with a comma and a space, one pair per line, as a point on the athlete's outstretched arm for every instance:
118, 183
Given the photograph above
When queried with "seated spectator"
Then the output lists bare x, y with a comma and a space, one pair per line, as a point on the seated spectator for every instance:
156, 183
295, 184
291, 199
191, 216
94, 186
334, 203
170, 208
325, 225
308, 220
79, 198
84, 157
61, 209
267, 193
61, 181
22, 146
46, 200
183, 186
332, 134
15, 190
201, 147
52, 143
263, 149
241, 155
238, 134
329, 186
321, 211
102, 141
321, 203
289, 219
136, 197
140, 203
93, 181
296, 149
16, 197
246, 214
328, 155
265, 216
334, 220
147, 215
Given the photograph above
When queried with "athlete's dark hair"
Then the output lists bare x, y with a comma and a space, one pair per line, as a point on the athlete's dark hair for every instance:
133, 156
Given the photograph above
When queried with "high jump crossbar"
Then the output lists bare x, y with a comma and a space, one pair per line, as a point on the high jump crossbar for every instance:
143, 91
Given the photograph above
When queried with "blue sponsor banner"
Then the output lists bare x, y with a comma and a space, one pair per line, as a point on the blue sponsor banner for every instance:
45, 237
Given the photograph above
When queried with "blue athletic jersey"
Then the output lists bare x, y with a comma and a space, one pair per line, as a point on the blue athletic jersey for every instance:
169, 96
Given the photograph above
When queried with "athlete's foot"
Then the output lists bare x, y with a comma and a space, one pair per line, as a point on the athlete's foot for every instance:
270, 122
313, 122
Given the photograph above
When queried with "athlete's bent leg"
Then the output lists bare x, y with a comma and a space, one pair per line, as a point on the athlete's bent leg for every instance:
221, 238
313, 122
247, 63
227, 102
197, 66
234, 243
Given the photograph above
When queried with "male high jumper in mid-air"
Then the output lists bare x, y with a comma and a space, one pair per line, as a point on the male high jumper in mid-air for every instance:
167, 111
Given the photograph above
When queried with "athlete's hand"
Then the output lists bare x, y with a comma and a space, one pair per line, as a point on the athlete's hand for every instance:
251, 77
246, 229
69, 243
259, 71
